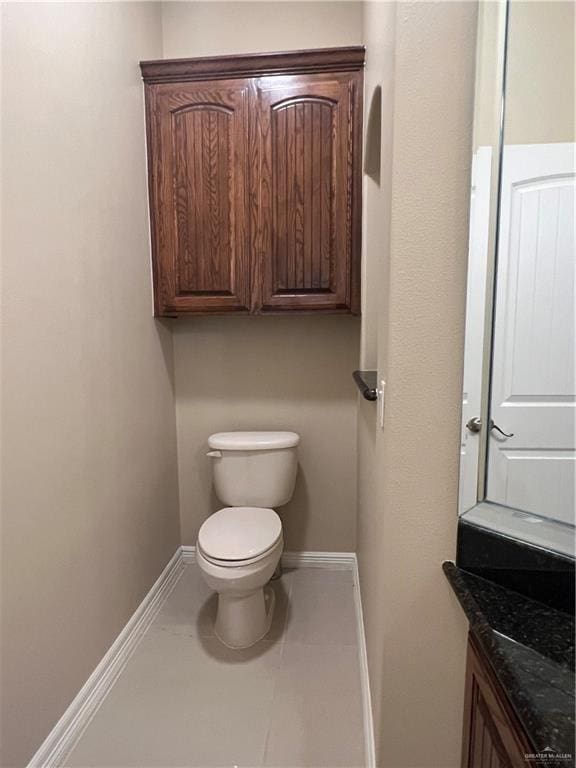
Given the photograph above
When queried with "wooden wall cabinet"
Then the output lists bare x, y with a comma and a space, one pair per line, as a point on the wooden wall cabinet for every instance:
254, 167
493, 737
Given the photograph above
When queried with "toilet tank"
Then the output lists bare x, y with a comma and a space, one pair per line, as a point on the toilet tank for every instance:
254, 469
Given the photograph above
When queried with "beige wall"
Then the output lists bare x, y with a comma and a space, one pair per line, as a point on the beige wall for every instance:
290, 373
89, 484
273, 373
408, 472
490, 41
541, 73
217, 28
89, 503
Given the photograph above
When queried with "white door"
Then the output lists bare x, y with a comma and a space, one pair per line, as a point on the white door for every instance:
475, 308
533, 381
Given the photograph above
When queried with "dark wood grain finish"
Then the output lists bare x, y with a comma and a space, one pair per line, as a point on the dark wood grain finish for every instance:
486, 748
203, 191
255, 183
492, 735
303, 180
253, 65
306, 193
198, 135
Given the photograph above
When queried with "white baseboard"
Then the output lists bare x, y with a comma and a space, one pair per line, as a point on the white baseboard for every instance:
369, 745
188, 554
343, 561
67, 731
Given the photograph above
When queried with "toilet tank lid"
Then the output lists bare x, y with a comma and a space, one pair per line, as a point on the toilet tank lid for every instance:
253, 441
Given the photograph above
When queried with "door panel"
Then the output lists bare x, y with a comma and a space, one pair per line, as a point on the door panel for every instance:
305, 194
200, 192
486, 748
302, 181
533, 381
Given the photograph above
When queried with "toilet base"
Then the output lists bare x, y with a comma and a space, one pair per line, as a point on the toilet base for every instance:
244, 619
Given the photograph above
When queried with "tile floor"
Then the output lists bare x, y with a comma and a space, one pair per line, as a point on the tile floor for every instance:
292, 700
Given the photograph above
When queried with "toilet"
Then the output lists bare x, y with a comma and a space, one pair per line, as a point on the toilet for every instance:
240, 545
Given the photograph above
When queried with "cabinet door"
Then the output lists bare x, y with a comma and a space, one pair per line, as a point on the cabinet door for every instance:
308, 196
485, 747
493, 737
198, 158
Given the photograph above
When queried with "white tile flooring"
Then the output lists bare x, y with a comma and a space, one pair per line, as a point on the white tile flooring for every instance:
292, 700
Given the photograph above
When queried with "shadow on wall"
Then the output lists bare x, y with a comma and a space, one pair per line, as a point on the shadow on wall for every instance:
273, 373
164, 332
373, 139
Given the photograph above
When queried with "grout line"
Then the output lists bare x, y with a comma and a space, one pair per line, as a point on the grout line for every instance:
279, 668
285, 625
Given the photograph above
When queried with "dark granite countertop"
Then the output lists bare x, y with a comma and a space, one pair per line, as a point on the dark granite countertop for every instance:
530, 646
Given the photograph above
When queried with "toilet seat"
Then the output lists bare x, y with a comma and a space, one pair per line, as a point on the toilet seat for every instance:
231, 564
236, 536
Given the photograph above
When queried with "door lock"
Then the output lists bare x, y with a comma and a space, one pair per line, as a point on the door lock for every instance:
475, 424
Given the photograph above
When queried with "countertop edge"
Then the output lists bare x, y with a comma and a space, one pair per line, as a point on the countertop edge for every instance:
478, 623
485, 635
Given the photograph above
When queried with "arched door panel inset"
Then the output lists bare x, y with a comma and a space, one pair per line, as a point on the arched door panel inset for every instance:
306, 194
200, 190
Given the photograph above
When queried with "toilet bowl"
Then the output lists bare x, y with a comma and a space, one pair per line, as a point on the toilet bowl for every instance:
239, 546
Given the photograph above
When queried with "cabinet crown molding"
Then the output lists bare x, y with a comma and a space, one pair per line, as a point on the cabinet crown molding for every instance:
348, 59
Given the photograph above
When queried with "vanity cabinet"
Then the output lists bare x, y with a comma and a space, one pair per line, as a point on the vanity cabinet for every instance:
493, 736
254, 167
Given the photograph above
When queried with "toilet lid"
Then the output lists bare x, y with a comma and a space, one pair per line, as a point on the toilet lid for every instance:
239, 533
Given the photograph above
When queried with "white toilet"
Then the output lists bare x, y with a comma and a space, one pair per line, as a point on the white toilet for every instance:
240, 546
